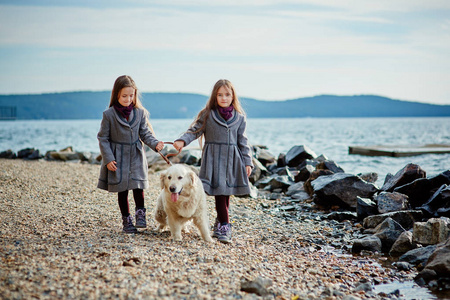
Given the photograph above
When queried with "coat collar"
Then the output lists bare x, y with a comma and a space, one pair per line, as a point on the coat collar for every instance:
219, 119
123, 121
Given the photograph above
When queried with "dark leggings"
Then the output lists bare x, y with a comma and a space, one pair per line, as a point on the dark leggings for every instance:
222, 205
138, 195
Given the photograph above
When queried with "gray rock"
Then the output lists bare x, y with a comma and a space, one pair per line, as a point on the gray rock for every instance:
432, 232
190, 156
368, 243
264, 156
297, 154
365, 207
305, 170
439, 204
408, 174
8, 154
341, 216
295, 188
371, 177
406, 218
258, 171
403, 244
388, 232
420, 190
418, 256
402, 265
341, 189
258, 286
439, 261
314, 175
330, 165
388, 202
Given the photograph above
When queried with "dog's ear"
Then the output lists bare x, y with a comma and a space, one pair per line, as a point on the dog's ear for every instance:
162, 177
193, 178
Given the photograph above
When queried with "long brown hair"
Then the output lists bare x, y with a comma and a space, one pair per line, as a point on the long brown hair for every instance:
123, 82
212, 102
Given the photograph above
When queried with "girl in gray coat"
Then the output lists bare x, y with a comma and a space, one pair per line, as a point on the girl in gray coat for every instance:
226, 158
124, 128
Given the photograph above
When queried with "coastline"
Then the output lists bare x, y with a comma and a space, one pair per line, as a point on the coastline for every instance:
62, 238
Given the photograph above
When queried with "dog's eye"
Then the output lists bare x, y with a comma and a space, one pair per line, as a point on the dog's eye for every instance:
169, 177
179, 177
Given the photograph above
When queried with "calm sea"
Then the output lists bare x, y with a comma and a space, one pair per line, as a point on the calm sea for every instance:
330, 137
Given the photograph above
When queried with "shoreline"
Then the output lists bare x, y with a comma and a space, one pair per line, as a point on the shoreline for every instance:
62, 238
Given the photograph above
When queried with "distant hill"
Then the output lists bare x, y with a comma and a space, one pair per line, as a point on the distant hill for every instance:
90, 105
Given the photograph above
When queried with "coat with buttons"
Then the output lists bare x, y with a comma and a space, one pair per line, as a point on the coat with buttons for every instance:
122, 141
225, 154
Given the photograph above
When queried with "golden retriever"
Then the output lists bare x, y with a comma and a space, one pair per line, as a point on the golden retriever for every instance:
182, 199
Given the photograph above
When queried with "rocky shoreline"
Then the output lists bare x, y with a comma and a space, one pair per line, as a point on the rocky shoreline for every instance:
61, 238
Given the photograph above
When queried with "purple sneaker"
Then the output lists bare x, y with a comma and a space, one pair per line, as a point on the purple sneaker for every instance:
225, 233
128, 226
140, 218
216, 232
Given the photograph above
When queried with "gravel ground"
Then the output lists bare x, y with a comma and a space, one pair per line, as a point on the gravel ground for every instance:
61, 238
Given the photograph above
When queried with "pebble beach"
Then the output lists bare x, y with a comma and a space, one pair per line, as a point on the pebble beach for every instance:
61, 238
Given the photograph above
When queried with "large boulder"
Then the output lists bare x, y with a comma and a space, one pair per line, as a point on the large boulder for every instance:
403, 244
408, 174
258, 171
314, 175
406, 218
8, 154
365, 207
330, 165
297, 154
305, 170
418, 256
388, 202
439, 204
341, 189
432, 232
388, 232
438, 262
420, 190
368, 243
263, 155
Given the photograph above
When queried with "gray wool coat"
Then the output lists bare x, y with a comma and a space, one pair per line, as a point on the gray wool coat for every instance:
225, 154
121, 140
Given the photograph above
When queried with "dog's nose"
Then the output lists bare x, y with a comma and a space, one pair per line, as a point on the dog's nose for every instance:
172, 189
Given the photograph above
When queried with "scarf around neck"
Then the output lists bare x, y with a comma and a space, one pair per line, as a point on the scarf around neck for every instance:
125, 111
226, 112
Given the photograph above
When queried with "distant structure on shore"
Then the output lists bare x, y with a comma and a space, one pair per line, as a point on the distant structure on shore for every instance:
8, 112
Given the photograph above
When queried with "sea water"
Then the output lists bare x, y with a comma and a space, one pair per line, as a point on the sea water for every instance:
328, 136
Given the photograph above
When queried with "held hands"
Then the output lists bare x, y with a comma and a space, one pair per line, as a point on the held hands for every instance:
178, 145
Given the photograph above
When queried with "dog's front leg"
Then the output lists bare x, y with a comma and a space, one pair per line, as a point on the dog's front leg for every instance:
202, 224
175, 228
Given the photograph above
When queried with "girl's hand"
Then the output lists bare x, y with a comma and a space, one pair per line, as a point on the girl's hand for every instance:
159, 146
249, 170
178, 145
112, 166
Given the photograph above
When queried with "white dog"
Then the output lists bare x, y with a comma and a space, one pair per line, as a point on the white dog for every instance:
182, 199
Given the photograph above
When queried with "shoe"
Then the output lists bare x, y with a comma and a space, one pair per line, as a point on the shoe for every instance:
216, 231
128, 226
140, 218
225, 233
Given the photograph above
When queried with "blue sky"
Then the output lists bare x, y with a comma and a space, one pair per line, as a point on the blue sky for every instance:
270, 50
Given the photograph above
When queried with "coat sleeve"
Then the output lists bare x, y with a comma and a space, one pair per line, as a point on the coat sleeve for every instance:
103, 137
192, 133
243, 145
145, 134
